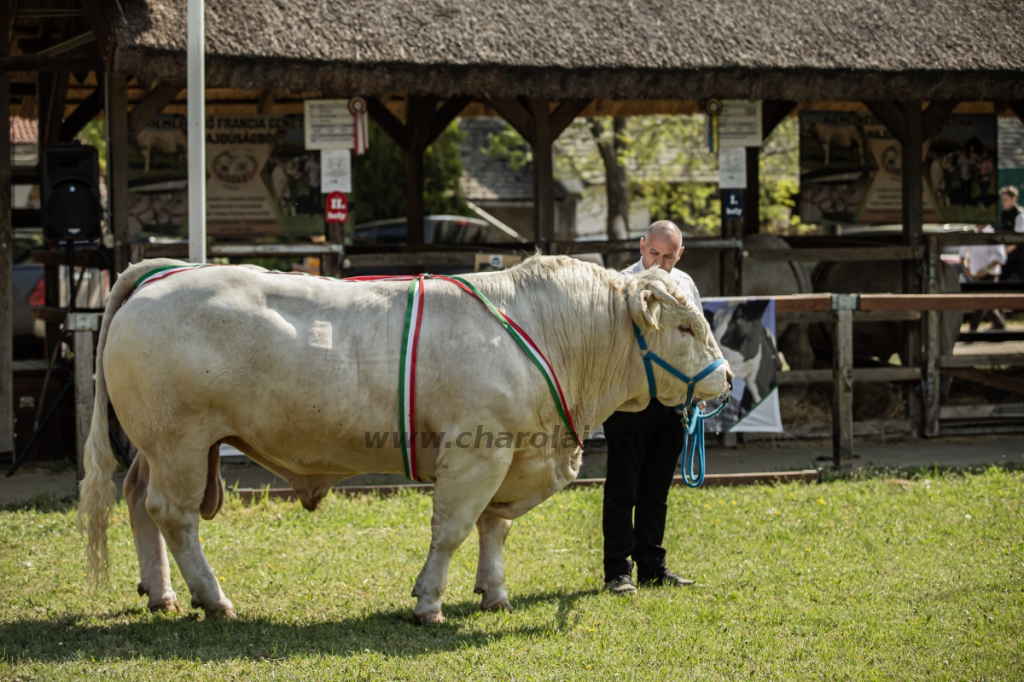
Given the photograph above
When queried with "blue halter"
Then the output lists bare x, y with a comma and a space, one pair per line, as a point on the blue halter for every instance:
692, 416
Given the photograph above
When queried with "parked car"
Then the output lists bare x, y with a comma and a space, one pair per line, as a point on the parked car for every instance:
437, 229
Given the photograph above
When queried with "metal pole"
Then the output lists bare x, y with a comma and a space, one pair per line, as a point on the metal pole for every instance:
196, 132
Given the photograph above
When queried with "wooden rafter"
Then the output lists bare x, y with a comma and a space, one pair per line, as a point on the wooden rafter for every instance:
85, 112
151, 104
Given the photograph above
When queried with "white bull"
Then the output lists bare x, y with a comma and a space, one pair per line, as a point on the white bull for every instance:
298, 371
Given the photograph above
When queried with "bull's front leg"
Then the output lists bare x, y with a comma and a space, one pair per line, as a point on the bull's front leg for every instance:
466, 482
490, 572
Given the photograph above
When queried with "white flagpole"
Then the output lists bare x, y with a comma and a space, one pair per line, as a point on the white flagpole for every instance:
196, 132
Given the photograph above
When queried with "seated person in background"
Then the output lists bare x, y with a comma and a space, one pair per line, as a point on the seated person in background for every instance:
981, 262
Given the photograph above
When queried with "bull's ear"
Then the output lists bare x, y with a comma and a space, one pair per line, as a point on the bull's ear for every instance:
645, 302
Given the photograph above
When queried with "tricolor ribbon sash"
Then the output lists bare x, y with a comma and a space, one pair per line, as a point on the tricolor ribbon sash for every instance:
410, 349
357, 107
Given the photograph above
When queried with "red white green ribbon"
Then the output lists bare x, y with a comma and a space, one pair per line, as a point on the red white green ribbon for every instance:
410, 349
163, 272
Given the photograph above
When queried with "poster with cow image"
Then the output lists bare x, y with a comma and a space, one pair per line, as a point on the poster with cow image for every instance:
745, 331
850, 170
261, 181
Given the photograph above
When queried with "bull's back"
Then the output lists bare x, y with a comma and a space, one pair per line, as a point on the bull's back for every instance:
253, 354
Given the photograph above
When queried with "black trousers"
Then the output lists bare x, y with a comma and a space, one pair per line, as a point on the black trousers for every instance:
643, 450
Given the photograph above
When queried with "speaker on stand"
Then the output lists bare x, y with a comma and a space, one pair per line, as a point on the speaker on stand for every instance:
69, 177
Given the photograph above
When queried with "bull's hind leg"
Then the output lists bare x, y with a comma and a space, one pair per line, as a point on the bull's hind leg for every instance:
460, 497
177, 489
490, 572
154, 571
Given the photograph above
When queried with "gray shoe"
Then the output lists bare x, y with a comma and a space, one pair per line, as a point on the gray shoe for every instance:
663, 577
621, 585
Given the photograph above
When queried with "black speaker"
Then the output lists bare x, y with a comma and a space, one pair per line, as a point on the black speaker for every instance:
69, 176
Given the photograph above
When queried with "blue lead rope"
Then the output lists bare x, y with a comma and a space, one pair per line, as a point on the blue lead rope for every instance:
693, 444
693, 417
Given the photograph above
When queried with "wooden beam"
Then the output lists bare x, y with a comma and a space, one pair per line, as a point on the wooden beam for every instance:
53, 92
117, 167
266, 101
517, 116
774, 112
151, 104
80, 117
941, 302
564, 114
419, 121
445, 115
935, 115
63, 62
388, 122
891, 117
837, 254
99, 22
752, 193
543, 174
990, 379
6, 251
1017, 107
991, 360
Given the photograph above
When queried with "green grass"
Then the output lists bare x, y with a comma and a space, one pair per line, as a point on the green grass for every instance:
856, 579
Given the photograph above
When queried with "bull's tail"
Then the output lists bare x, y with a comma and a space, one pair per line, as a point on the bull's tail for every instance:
96, 491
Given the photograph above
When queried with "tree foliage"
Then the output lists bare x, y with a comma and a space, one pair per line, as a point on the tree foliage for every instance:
378, 177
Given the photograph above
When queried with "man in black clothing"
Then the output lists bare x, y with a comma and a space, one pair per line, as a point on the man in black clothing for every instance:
1012, 221
643, 449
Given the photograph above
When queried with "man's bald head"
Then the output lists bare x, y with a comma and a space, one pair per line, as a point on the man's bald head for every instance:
662, 246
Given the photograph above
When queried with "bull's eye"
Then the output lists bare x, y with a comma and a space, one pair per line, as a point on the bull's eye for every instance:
685, 329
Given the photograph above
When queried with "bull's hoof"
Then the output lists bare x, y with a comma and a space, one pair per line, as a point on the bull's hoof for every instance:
227, 612
428, 618
143, 590
224, 609
168, 604
501, 604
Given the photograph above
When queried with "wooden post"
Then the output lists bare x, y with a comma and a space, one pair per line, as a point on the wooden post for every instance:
731, 260
543, 176
83, 325
419, 117
117, 167
932, 384
752, 194
912, 214
6, 251
843, 306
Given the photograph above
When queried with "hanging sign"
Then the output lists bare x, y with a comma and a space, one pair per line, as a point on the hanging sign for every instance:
712, 108
336, 124
337, 207
739, 124
732, 203
732, 168
336, 170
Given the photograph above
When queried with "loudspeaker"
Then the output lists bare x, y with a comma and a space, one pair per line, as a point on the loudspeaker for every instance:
69, 176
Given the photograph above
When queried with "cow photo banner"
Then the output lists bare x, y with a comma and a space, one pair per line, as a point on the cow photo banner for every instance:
851, 167
745, 331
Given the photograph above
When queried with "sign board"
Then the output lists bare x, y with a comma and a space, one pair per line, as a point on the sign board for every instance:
261, 181
336, 170
739, 124
732, 168
851, 170
329, 124
732, 203
337, 207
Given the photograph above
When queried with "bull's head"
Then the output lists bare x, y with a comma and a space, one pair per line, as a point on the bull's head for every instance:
675, 330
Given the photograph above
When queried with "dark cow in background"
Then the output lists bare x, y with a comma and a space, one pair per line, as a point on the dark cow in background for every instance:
760, 278
879, 340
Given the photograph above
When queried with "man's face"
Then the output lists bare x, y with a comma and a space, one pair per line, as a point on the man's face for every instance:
1008, 202
658, 250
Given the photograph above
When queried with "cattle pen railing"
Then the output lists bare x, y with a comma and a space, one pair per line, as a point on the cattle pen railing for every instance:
841, 311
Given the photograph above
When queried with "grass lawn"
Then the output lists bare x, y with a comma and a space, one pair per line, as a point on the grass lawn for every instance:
858, 579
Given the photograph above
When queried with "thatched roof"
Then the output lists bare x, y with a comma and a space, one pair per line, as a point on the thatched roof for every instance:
628, 49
